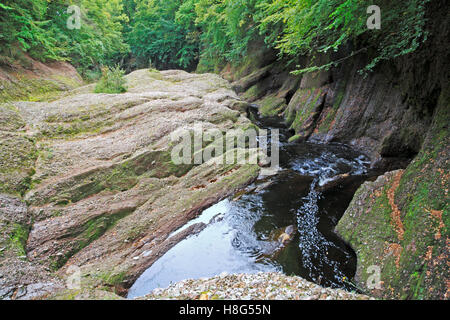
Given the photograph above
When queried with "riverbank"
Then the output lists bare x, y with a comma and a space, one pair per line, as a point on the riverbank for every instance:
259, 286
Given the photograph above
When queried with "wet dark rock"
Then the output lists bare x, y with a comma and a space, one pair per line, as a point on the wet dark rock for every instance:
333, 182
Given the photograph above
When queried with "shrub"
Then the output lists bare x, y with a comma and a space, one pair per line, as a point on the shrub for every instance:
112, 81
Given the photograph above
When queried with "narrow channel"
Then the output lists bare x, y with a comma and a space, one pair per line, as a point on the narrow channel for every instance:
247, 233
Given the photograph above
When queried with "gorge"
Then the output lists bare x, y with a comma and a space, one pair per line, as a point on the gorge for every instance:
92, 205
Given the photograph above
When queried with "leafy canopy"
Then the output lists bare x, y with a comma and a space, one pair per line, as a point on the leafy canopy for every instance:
177, 33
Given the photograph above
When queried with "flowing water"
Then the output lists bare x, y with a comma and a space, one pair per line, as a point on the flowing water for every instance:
242, 235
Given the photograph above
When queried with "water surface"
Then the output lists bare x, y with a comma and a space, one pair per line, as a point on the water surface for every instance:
241, 236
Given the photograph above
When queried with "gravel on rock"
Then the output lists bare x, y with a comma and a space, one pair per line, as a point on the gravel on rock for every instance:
259, 286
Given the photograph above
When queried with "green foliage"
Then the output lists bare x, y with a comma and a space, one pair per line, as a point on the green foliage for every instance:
98, 42
176, 33
23, 23
311, 26
18, 239
223, 29
112, 81
227, 27
163, 35
39, 27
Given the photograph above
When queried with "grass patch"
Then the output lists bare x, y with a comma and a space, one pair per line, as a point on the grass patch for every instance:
112, 81
18, 239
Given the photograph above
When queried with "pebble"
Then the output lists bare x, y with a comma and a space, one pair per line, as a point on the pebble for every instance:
260, 286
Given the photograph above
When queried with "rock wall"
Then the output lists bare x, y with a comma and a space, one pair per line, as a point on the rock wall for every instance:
399, 223
385, 114
371, 113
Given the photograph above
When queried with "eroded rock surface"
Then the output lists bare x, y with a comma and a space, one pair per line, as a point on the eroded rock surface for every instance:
102, 191
20, 278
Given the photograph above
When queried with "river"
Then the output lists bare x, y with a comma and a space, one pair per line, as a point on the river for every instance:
243, 232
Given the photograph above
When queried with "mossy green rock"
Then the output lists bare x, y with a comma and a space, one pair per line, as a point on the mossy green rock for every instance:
272, 106
304, 109
400, 222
